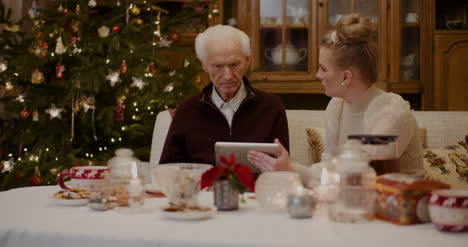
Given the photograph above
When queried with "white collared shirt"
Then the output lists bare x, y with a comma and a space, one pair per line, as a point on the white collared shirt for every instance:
229, 108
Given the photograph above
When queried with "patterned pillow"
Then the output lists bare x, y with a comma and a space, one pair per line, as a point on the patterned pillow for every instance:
315, 139
448, 164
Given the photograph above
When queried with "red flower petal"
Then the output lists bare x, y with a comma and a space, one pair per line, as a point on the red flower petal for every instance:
244, 174
209, 177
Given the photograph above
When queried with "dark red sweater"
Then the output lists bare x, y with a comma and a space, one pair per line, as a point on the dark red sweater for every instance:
198, 124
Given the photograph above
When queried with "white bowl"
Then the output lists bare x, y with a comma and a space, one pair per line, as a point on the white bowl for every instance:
272, 188
180, 182
449, 209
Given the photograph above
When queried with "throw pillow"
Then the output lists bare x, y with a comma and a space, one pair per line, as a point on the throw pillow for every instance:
448, 165
315, 139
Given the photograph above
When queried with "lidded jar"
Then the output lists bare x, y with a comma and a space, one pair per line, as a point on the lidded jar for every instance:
355, 185
120, 174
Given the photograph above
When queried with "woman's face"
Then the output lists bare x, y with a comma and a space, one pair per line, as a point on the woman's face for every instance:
330, 74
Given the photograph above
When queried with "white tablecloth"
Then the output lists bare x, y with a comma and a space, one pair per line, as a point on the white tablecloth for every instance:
29, 218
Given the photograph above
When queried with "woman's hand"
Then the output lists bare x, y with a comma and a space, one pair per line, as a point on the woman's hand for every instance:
267, 163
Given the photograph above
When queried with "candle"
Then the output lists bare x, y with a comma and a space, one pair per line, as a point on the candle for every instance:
326, 190
135, 188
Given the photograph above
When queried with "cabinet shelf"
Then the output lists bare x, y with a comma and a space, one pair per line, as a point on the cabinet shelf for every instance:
287, 26
411, 25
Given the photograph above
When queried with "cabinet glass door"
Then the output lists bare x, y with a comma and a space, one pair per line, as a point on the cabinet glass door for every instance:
284, 35
410, 40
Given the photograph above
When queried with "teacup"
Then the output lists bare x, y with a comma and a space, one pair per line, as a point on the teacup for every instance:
272, 188
449, 209
90, 178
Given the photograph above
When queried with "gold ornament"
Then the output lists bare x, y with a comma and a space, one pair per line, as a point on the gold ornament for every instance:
37, 77
135, 10
9, 87
139, 21
186, 63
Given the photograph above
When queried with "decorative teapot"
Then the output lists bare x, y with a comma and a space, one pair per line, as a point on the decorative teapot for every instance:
293, 55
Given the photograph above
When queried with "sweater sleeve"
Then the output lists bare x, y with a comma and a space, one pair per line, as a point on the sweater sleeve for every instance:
390, 115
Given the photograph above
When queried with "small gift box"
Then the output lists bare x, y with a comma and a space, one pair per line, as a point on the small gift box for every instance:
403, 199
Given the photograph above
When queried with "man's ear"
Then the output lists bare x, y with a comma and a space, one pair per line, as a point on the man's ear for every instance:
248, 60
347, 77
205, 66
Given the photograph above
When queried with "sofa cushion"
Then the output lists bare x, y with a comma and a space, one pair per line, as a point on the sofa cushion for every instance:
448, 164
315, 139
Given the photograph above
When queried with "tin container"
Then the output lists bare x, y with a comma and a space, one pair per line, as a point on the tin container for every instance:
403, 199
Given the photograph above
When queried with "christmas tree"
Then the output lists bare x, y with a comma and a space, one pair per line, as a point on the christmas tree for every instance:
88, 79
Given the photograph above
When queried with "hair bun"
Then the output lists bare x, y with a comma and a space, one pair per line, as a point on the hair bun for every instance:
355, 28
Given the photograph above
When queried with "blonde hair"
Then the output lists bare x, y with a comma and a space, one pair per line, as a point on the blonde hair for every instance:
223, 34
353, 44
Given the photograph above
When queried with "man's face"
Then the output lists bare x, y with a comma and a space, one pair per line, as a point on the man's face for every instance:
225, 65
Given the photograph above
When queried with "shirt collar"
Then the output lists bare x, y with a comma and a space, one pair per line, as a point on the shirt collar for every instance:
234, 102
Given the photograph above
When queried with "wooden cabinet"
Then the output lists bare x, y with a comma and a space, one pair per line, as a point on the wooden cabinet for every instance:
286, 34
450, 71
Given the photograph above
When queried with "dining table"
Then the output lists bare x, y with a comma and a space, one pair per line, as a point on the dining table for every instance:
30, 217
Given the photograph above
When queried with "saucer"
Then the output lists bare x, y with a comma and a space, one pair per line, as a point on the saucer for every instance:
190, 215
70, 202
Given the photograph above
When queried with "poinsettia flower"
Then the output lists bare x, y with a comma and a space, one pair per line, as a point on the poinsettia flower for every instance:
209, 177
231, 162
244, 174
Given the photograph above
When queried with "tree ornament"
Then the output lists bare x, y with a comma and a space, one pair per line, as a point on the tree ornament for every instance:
118, 3
37, 77
24, 113
169, 87
186, 63
175, 36
151, 69
20, 98
60, 8
123, 67
59, 69
3, 67
60, 48
77, 9
164, 43
36, 180
113, 77
138, 82
103, 31
9, 88
92, 6
54, 112
139, 21
135, 10
115, 28
119, 113
172, 73
32, 12
87, 103
12, 28
35, 116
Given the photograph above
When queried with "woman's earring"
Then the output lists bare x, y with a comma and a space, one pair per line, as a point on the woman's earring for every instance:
343, 84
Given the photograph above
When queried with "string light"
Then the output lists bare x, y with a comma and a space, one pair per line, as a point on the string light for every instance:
25, 149
52, 54
123, 128
16, 74
135, 104
56, 158
47, 149
152, 113
87, 155
91, 155
19, 159
105, 148
107, 61
133, 117
120, 139
10, 155
136, 109
100, 149
112, 140
149, 108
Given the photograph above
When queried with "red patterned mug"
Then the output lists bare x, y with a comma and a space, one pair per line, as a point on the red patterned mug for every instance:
90, 178
449, 209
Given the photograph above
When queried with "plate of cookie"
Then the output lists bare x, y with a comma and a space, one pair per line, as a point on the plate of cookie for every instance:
188, 212
71, 197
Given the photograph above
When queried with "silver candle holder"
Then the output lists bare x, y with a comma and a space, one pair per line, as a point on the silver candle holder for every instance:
301, 203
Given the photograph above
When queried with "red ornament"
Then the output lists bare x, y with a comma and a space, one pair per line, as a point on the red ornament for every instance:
19, 176
175, 36
115, 28
25, 113
123, 67
151, 69
35, 180
1, 166
119, 113
59, 69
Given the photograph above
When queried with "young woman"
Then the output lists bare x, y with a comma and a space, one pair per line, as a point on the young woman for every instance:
348, 72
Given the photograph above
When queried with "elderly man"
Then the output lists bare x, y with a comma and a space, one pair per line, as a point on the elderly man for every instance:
228, 109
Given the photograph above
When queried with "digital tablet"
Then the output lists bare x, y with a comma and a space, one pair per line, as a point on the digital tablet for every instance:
240, 150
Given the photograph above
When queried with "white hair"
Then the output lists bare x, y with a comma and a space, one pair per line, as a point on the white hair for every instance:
222, 34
